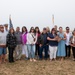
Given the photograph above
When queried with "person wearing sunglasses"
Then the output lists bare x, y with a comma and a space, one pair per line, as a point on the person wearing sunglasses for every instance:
31, 41
67, 44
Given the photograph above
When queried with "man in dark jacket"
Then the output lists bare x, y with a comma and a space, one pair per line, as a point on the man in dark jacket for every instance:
42, 40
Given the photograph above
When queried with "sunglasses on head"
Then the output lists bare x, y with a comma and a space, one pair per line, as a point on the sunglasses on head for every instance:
67, 29
32, 29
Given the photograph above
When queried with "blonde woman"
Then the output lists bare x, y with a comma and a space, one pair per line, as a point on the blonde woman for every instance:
48, 29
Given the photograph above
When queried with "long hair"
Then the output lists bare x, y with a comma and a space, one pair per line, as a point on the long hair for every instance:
11, 29
38, 30
73, 32
53, 29
48, 29
31, 30
24, 28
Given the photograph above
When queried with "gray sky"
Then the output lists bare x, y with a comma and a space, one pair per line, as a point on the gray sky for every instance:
38, 12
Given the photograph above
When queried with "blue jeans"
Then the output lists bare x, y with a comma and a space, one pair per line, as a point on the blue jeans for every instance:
45, 48
31, 51
2, 51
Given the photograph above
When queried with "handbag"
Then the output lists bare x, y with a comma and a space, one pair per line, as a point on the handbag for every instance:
33, 38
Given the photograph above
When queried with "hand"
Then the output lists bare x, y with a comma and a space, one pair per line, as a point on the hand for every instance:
48, 38
32, 43
72, 45
54, 39
63, 38
40, 45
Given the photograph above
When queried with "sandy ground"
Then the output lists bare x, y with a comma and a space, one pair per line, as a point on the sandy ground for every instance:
44, 67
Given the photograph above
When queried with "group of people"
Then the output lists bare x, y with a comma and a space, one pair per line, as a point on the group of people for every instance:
43, 45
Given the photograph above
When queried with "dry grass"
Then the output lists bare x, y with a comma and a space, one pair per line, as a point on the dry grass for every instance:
44, 67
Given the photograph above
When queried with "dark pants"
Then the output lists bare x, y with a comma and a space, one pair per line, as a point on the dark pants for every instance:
73, 50
11, 51
68, 50
45, 48
37, 50
48, 49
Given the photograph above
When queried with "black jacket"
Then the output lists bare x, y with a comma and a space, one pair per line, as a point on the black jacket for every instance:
43, 39
11, 40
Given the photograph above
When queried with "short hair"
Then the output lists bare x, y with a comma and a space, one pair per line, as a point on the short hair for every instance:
1, 26
60, 27
67, 28
17, 27
5, 24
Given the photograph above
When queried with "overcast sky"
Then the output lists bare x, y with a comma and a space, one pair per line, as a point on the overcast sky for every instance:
38, 12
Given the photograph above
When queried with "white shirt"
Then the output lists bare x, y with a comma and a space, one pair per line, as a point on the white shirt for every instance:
30, 39
2, 38
73, 40
68, 36
6, 32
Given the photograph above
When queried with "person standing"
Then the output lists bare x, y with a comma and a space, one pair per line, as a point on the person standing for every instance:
24, 42
18, 49
61, 44
31, 42
72, 43
53, 44
67, 45
6, 32
11, 44
48, 31
37, 32
6, 28
2, 44
56, 28
43, 44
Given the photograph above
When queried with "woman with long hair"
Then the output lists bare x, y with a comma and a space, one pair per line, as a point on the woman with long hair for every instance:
31, 41
52, 44
24, 42
11, 44
37, 32
48, 29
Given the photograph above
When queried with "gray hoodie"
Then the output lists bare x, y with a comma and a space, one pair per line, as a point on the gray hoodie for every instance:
18, 37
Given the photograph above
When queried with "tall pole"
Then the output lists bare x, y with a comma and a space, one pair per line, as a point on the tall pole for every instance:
9, 16
53, 20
